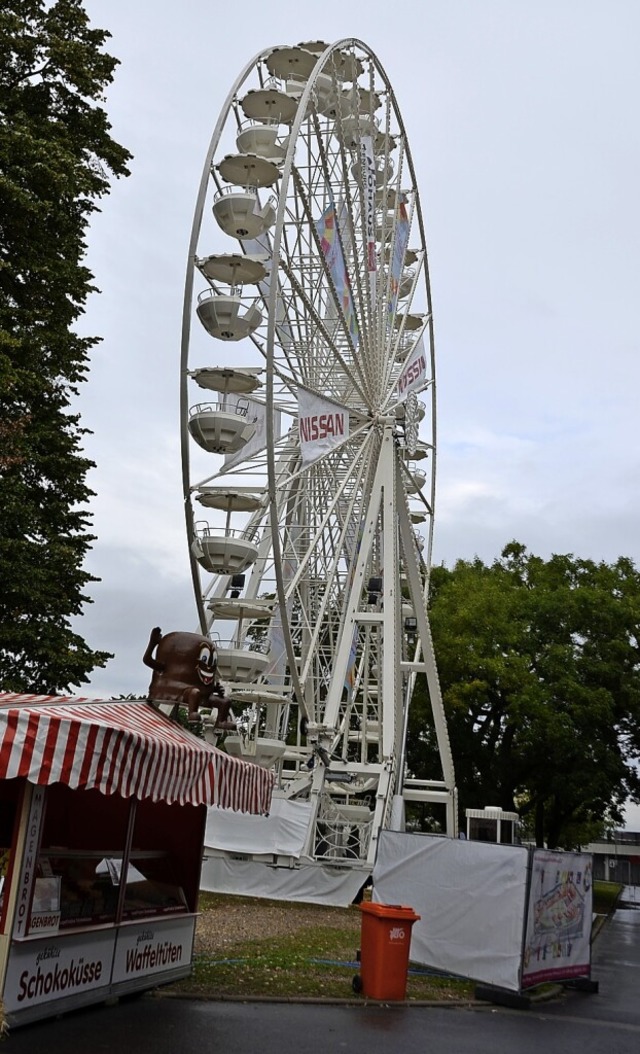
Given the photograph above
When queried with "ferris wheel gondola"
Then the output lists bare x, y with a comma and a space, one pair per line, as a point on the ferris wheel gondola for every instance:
316, 272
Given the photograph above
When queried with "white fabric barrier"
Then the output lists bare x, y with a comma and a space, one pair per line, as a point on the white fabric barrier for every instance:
305, 883
470, 897
282, 832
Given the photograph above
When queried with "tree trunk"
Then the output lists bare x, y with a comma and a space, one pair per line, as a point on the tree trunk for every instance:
540, 823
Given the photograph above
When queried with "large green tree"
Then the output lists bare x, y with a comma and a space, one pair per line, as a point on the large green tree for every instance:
56, 159
539, 664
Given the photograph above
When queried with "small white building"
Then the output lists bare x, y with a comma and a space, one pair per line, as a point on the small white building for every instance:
492, 824
616, 858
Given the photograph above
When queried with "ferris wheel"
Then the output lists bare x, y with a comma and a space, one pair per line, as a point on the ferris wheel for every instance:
308, 452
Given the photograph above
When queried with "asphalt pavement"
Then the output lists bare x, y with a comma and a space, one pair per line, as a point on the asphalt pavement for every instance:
577, 1023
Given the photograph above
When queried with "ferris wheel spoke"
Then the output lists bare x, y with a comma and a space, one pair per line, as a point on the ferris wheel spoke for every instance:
324, 460
315, 321
318, 625
346, 222
343, 315
338, 500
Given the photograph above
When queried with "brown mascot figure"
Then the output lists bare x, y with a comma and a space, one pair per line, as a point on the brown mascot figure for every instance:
185, 672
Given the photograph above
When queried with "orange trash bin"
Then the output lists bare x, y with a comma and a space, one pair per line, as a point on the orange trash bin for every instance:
384, 949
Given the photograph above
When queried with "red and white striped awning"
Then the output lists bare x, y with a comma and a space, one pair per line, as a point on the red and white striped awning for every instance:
122, 747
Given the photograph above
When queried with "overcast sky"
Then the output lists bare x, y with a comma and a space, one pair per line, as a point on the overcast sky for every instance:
522, 121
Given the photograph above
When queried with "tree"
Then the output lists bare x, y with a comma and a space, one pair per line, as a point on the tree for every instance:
539, 666
56, 157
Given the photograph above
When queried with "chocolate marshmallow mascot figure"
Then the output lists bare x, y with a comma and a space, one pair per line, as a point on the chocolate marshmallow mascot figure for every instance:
185, 672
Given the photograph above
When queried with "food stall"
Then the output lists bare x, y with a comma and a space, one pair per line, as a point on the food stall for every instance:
102, 817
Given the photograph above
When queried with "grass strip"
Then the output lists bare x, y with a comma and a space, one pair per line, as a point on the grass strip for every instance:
316, 961
293, 966
605, 896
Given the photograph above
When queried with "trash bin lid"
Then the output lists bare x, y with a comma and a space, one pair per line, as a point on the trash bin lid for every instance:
389, 911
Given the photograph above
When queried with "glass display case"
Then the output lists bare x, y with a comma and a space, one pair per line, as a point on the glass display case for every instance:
109, 860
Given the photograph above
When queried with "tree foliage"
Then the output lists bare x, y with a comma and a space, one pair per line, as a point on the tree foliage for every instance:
539, 667
56, 159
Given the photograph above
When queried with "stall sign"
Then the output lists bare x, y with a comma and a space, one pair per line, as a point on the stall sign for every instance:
45, 909
29, 860
153, 948
45, 971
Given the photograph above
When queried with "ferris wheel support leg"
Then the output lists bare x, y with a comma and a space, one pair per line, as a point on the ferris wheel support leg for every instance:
353, 602
430, 668
391, 702
382, 504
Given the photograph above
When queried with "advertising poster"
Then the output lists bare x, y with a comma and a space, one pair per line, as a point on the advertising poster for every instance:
398, 253
558, 935
323, 426
414, 373
368, 163
327, 228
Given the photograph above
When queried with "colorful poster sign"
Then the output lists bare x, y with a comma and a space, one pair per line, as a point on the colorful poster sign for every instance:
558, 936
327, 228
397, 258
368, 164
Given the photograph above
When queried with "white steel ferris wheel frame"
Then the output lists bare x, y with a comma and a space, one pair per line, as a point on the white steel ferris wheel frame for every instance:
333, 526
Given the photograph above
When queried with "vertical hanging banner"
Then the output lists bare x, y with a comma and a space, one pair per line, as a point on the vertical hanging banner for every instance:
414, 372
275, 674
327, 228
350, 676
368, 164
262, 247
559, 913
258, 441
323, 425
399, 250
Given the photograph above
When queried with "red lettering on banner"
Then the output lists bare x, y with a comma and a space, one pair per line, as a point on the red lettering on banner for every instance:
321, 426
412, 373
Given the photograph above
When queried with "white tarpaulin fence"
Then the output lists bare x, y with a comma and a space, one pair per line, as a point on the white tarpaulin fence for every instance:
283, 831
480, 917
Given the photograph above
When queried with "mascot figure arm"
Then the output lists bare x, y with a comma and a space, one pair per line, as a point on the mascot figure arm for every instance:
154, 639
